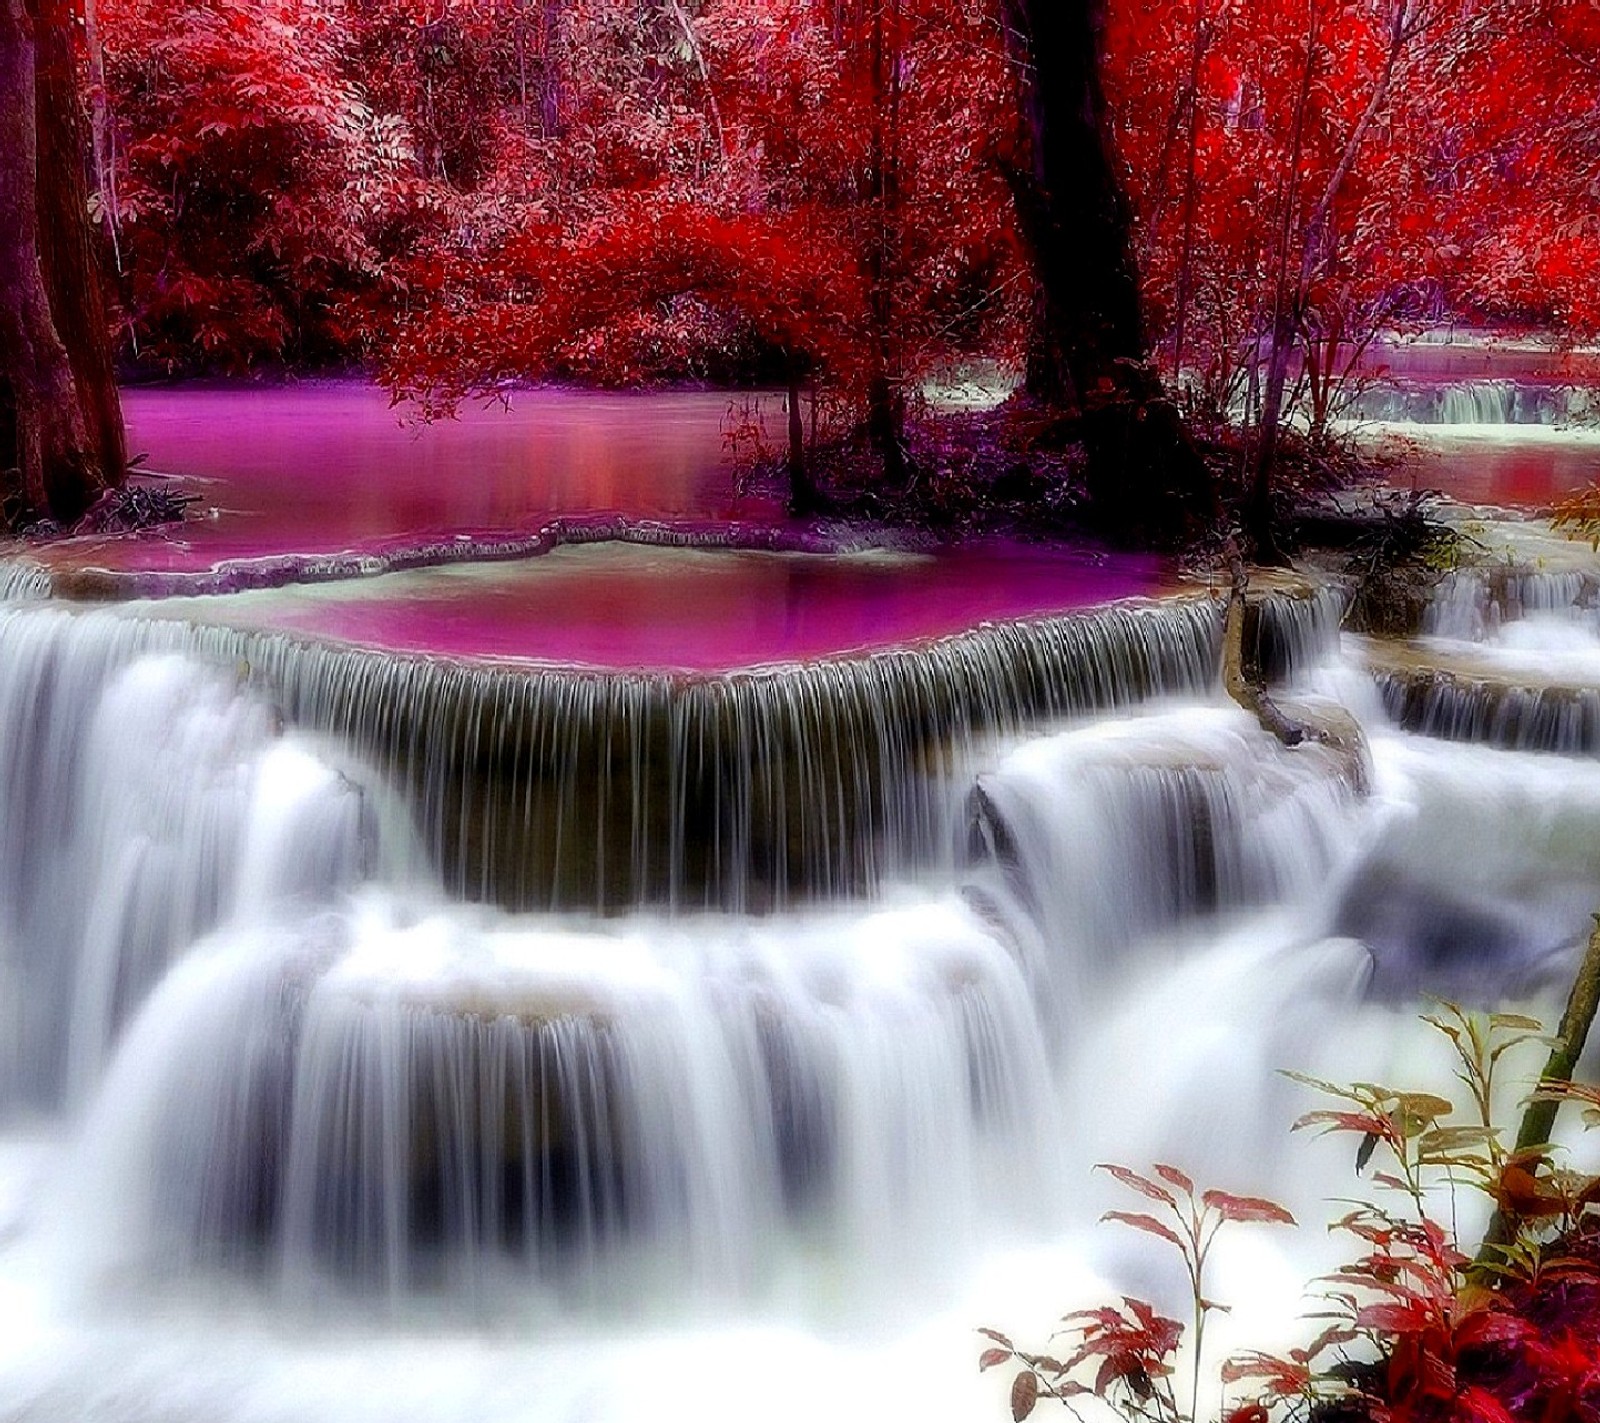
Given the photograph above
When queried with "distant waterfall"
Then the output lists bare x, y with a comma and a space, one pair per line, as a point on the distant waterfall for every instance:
22, 579
1477, 402
1475, 604
1508, 658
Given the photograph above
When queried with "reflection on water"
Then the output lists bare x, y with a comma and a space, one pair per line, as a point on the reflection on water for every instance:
323, 467
623, 606
1515, 466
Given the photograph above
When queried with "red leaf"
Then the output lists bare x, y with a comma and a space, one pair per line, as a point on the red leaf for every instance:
1247, 1208
1330, 1337
1491, 1326
1392, 1318
1481, 1406
1142, 1184
1147, 1223
1174, 1177
1024, 1394
990, 1357
1282, 1376
1363, 1123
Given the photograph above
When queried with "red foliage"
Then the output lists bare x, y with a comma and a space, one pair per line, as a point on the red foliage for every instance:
477, 190
1368, 163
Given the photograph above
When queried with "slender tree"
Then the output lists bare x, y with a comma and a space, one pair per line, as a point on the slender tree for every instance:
61, 427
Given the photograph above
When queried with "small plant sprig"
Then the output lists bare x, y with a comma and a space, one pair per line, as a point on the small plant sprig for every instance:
1132, 1348
1577, 515
1414, 1127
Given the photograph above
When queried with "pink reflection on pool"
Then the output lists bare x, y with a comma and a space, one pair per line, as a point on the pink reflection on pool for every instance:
616, 607
1518, 467
324, 467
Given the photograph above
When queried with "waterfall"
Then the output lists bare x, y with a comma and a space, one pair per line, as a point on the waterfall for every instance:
546, 788
323, 1135
400, 1099
142, 802
557, 788
21, 579
1106, 837
1476, 402
396, 1093
1292, 630
1474, 605
1510, 657
1493, 710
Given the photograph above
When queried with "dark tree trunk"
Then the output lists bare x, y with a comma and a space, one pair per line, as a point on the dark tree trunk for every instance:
60, 419
804, 495
1088, 346
1072, 210
68, 243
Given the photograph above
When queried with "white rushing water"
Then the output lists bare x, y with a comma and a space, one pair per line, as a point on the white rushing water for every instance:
292, 1133
1477, 402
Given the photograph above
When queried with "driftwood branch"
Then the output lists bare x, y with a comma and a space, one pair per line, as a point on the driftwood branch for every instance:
1237, 680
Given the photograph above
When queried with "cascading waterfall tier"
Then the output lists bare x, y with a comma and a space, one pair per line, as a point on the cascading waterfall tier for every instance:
1479, 402
548, 788
22, 579
397, 1099
1487, 704
1102, 838
1510, 657
1291, 626
142, 803
1476, 604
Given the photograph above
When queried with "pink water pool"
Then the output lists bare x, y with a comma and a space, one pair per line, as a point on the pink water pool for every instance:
1512, 467
618, 607
321, 468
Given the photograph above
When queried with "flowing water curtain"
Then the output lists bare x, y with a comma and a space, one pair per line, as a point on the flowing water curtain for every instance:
564, 789
397, 1103
21, 579
144, 800
1100, 840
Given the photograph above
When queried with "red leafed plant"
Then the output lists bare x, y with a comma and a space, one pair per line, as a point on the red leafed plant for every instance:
1416, 1330
1125, 1353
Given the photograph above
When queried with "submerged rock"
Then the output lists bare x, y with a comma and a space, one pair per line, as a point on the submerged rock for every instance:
1449, 943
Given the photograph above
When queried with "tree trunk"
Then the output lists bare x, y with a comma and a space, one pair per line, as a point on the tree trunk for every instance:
1191, 104
550, 95
67, 239
884, 420
804, 496
1539, 1119
1071, 209
1088, 349
60, 419
1315, 254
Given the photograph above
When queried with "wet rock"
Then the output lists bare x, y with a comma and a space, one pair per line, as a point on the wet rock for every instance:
1449, 943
